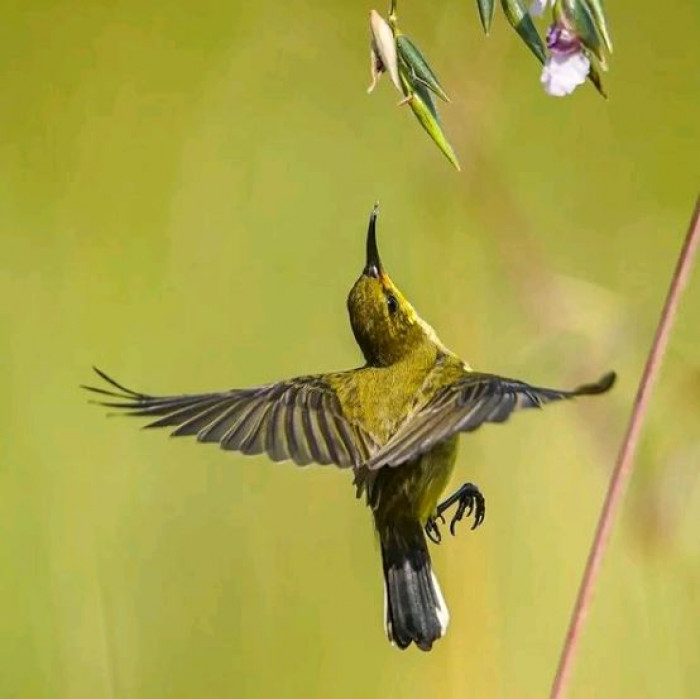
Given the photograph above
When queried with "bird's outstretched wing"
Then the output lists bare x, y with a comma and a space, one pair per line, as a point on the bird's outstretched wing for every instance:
300, 419
464, 405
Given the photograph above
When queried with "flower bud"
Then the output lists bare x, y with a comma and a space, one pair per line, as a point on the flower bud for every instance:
382, 50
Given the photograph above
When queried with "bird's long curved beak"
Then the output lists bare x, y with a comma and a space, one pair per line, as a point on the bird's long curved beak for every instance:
373, 265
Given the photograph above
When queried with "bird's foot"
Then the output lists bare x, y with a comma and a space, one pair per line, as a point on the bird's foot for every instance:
469, 499
432, 530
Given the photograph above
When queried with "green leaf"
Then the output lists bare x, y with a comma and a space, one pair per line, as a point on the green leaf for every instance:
423, 107
521, 21
596, 9
486, 8
578, 15
418, 67
594, 77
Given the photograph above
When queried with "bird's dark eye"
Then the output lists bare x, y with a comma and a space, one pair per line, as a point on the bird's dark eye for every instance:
392, 304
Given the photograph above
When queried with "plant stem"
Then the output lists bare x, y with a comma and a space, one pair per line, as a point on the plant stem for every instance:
625, 460
392, 13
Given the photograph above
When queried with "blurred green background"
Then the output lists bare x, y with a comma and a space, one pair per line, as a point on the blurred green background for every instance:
184, 191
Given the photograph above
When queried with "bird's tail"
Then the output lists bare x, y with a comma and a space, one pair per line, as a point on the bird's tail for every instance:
414, 608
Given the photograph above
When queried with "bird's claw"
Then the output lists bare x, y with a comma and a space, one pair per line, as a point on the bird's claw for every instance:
469, 500
431, 527
433, 531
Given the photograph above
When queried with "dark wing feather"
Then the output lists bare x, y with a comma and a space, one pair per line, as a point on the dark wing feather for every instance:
300, 419
466, 404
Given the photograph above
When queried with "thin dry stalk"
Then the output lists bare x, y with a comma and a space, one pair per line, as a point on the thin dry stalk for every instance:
625, 460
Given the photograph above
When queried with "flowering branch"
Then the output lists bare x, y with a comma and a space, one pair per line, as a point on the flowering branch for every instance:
574, 52
577, 41
623, 467
392, 52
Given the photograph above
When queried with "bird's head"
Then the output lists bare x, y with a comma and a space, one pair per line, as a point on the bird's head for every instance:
384, 323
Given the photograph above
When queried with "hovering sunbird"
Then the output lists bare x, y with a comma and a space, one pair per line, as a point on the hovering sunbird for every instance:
394, 421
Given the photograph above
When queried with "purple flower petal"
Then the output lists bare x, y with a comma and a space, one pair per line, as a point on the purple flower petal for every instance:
563, 73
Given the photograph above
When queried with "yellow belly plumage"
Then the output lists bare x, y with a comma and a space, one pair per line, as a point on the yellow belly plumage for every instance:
410, 491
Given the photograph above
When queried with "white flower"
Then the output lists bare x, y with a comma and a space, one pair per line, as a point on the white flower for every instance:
567, 66
561, 75
382, 51
537, 7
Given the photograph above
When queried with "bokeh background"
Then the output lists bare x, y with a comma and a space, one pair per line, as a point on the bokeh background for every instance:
184, 191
